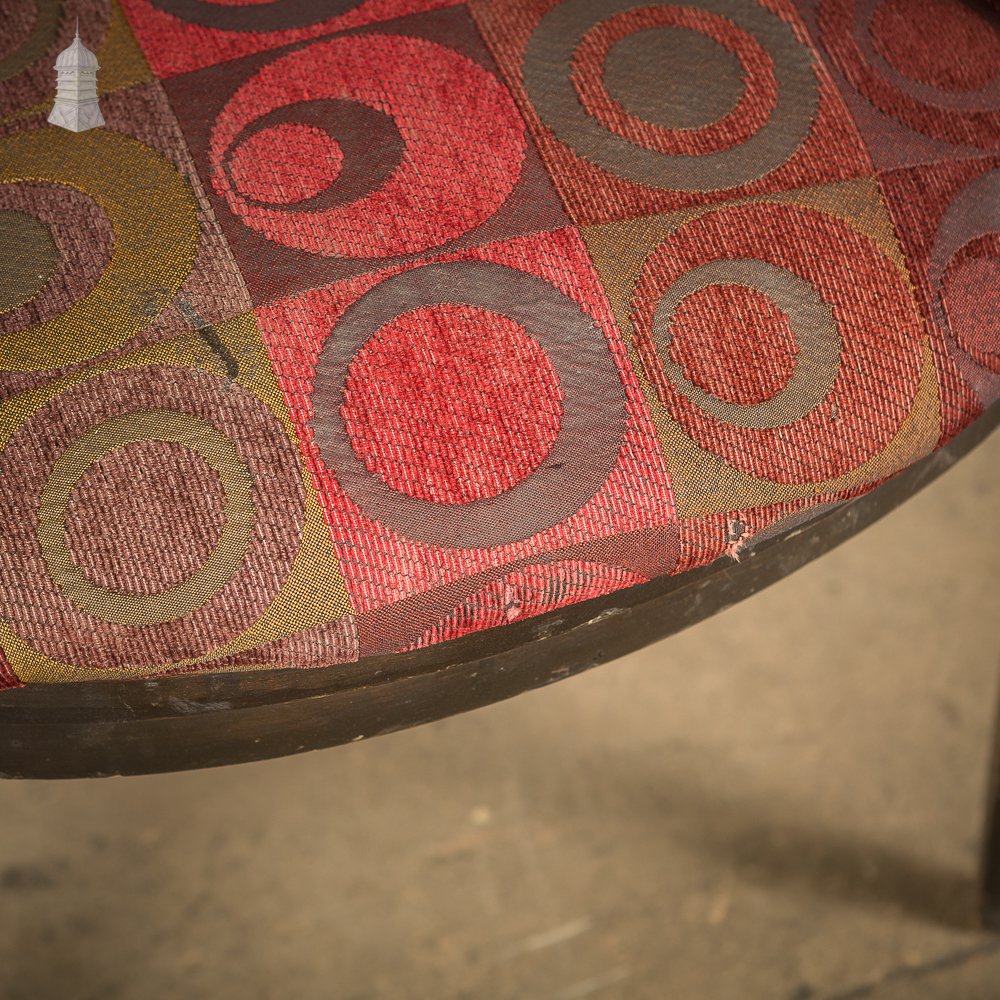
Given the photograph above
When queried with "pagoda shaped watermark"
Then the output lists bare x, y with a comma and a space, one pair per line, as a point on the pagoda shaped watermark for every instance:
76, 106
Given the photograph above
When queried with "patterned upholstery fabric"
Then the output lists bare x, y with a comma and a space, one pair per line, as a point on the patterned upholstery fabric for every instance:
367, 324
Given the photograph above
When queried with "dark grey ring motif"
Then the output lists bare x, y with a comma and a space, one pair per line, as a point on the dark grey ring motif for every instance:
547, 79
812, 322
593, 421
368, 138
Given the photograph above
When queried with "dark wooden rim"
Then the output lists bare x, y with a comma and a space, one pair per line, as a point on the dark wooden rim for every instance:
990, 866
204, 720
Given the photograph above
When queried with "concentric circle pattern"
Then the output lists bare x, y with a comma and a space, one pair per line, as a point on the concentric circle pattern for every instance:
933, 66
449, 153
828, 415
363, 325
504, 302
120, 595
650, 58
753, 119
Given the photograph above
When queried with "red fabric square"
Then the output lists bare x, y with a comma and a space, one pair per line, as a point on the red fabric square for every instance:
510, 457
753, 110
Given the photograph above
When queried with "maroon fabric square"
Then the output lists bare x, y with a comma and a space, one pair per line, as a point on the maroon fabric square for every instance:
922, 80
947, 216
142, 152
339, 156
31, 36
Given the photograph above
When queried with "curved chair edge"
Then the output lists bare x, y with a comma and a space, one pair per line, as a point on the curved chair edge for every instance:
179, 722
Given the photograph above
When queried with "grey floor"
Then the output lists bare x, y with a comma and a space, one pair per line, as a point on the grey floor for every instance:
782, 803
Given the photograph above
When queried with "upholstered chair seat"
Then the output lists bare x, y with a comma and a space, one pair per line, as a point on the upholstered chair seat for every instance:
372, 343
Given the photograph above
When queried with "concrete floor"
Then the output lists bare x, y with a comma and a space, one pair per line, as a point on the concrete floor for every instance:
780, 804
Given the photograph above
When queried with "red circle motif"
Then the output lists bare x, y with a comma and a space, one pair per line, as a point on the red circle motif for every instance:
748, 358
466, 390
463, 144
880, 331
31, 599
286, 163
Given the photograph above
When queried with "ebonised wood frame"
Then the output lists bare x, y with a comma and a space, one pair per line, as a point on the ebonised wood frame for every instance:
990, 882
204, 720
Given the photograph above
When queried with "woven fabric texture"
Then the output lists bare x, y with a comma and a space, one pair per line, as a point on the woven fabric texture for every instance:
364, 325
